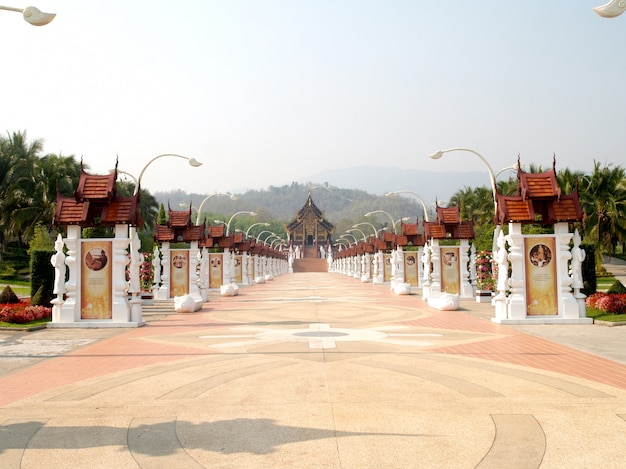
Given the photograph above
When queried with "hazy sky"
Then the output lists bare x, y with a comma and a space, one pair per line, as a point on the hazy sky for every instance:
267, 92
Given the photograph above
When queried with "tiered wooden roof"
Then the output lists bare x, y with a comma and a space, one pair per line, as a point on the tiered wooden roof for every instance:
449, 225
410, 233
310, 208
538, 200
179, 228
95, 203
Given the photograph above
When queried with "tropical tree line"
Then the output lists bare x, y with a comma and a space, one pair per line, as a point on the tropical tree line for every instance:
29, 181
602, 196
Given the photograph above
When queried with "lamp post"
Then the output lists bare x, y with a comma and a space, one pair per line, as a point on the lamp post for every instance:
356, 241
254, 224
32, 15
192, 161
492, 177
262, 232
394, 193
398, 221
367, 223
279, 240
252, 214
232, 197
393, 223
376, 231
360, 231
273, 235
612, 9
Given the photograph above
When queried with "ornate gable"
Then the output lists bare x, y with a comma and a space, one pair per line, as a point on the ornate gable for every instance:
179, 228
449, 225
95, 203
309, 226
538, 200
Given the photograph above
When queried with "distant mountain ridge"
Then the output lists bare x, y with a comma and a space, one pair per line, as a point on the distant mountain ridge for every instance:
430, 185
344, 195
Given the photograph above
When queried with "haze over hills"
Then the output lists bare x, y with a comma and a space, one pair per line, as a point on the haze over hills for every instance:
430, 185
343, 194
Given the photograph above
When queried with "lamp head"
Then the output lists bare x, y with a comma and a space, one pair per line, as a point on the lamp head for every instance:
195, 163
368, 214
390, 194
36, 17
436, 155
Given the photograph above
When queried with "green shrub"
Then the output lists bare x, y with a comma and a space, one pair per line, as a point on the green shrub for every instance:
42, 297
588, 269
8, 296
41, 276
7, 271
617, 287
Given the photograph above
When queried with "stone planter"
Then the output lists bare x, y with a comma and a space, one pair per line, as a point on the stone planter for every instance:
483, 296
147, 299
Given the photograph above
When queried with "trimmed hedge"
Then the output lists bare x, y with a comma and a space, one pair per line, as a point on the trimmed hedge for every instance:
42, 278
589, 270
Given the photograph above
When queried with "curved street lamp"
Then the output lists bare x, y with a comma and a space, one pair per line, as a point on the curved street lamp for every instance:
341, 242
279, 240
232, 197
356, 241
192, 161
360, 231
398, 221
273, 235
32, 15
376, 231
254, 224
394, 193
492, 177
252, 214
262, 232
393, 224
612, 9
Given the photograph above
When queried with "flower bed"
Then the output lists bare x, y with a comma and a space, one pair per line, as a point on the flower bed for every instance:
485, 278
23, 312
611, 303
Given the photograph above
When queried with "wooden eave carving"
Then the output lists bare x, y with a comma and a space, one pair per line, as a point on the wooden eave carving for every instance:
96, 187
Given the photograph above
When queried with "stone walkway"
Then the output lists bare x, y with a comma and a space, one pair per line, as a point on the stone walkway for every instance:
312, 370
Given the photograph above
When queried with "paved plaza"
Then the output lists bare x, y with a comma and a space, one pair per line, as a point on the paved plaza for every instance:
315, 370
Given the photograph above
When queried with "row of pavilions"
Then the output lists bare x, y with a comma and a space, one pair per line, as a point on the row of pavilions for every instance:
98, 281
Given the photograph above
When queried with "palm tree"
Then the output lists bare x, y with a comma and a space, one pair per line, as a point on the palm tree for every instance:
475, 203
17, 161
50, 173
603, 202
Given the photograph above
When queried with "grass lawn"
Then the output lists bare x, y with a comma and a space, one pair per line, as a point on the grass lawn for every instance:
602, 316
38, 322
19, 287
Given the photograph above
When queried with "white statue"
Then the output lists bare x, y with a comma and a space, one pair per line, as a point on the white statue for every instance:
502, 259
578, 256
426, 264
472, 265
156, 266
136, 259
58, 261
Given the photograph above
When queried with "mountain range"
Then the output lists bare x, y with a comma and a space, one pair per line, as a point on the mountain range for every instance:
430, 185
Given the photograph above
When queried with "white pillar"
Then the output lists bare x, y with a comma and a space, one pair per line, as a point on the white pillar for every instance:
70, 310
164, 290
